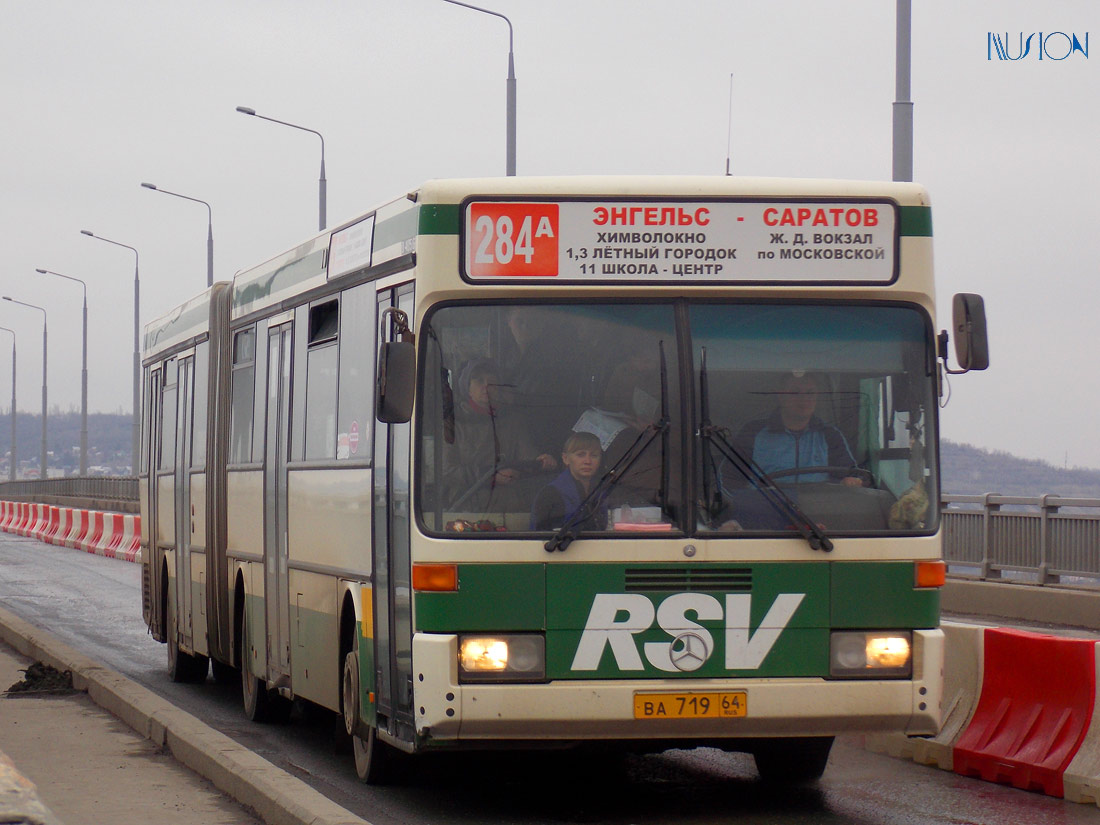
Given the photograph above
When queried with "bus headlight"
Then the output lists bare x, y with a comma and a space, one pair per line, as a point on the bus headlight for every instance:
510, 657
871, 654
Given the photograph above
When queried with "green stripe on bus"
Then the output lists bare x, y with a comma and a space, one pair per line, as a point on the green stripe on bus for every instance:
440, 218
395, 230
868, 595
916, 221
506, 597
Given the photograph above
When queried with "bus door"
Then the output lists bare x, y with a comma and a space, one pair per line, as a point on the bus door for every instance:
275, 502
184, 517
392, 571
150, 457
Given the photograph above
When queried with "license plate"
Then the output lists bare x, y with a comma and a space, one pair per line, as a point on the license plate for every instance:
724, 705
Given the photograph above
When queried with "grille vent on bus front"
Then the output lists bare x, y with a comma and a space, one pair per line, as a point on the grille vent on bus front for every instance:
688, 580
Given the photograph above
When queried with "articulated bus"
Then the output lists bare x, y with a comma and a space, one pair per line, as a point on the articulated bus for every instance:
605, 463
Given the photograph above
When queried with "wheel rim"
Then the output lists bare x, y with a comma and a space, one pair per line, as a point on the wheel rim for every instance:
351, 693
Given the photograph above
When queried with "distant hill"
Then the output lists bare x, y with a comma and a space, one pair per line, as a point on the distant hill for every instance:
966, 470
109, 437
969, 470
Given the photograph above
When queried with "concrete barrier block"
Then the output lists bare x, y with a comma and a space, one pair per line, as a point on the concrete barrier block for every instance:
1081, 780
962, 682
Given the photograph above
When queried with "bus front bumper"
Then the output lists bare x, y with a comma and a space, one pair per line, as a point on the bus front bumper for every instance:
571, 710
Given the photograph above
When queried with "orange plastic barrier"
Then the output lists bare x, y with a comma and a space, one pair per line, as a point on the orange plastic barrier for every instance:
95, 532
22, 516
78, 530
1035, 707
64, 524
37, 525
130, 546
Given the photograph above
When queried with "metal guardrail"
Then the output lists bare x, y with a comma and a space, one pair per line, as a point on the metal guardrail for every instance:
93, 492
1041, 540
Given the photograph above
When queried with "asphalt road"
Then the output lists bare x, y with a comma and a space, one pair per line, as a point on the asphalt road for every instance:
94, 604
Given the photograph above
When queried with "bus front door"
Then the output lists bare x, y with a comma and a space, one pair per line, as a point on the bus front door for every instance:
275, 504
183, 628
392, 571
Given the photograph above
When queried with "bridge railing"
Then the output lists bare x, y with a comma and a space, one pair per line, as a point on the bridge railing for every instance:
1040, 540
117, 493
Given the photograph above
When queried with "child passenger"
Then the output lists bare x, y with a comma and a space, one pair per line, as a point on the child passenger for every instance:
559, 501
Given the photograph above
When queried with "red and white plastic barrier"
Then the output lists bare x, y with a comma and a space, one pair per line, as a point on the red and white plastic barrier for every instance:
1036, 704
114, 535
1020, 709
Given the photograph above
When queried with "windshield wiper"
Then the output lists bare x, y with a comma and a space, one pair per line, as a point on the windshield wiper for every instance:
753, 473
568, 532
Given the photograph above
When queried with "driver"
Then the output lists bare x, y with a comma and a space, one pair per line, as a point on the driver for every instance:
793, 437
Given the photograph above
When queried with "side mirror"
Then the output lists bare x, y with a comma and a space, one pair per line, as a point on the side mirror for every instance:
971, 340
396, 380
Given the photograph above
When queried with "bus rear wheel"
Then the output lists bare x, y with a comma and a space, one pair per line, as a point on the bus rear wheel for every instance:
374, 760
254, 694
792, 761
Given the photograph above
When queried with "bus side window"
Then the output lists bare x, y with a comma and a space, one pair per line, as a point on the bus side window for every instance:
167, 458
244, 379
358, 345
321, 363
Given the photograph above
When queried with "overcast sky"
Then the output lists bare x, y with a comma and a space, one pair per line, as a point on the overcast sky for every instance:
97, 97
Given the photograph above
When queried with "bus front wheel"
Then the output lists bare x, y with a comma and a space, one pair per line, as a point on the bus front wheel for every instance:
374, 760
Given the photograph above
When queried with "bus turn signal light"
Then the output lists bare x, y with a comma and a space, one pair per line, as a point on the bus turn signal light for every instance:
931, 573
440, 578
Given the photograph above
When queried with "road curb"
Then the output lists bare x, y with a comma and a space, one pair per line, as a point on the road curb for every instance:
278, 797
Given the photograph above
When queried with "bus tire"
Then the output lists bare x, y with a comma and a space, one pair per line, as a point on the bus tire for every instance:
374, 760
253, 690
792, 761
183, 667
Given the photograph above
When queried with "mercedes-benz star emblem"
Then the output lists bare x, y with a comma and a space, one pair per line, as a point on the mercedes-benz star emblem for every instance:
688, 652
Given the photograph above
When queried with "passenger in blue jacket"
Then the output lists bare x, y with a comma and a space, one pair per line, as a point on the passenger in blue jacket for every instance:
560, 500
793, 436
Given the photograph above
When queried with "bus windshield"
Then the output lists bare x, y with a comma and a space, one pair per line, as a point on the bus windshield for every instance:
688, 417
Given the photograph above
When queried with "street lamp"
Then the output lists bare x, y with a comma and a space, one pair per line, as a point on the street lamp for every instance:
43, 473
209, 229
134, 426
322, 184
903, 106
11, 469
511, 88
83, 373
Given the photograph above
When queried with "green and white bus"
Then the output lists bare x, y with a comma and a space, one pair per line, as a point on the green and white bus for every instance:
636, 463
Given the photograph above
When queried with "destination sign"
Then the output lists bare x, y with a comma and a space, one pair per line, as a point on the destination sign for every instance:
768, 241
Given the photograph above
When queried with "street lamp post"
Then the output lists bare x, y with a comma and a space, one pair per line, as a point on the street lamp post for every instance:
903, 106
322, 184
209, 229
43, 473
11, 469
83, 372
510, 126
134, 425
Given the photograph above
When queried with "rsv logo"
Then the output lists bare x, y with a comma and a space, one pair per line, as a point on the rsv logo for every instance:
1049, 46
616, 618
